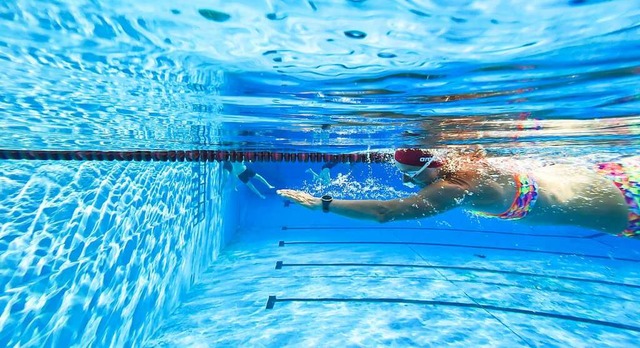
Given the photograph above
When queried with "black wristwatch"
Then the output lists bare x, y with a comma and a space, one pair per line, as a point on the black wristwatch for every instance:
326, 200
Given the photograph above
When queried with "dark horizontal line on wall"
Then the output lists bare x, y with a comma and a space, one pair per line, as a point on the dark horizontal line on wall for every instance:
190, 156
281, 264
272, 300
562, 253
590, 236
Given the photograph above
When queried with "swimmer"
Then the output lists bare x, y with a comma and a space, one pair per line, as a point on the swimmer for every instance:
604, 198
324, 177
245, 175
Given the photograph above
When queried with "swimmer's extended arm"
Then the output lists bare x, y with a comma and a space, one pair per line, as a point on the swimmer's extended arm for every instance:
432, 200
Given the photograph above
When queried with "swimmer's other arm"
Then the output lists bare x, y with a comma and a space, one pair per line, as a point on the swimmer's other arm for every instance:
432, 200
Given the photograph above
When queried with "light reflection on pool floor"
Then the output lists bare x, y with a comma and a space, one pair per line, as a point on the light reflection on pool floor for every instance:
229, 307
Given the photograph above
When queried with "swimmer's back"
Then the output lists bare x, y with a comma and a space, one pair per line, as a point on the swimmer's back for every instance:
576, 195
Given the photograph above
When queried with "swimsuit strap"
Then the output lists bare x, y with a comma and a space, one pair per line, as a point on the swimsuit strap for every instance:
525, 197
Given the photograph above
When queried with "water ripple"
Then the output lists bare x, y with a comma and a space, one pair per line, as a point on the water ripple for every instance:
153, 76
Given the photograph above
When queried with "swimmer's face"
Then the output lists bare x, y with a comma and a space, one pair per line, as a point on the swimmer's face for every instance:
413, 175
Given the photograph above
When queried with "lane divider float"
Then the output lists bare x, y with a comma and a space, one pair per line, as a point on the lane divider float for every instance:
191, 156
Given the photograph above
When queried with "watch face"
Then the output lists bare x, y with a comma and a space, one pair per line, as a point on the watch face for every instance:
327, 198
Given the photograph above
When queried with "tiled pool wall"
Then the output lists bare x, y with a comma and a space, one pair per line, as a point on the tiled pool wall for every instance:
99, 253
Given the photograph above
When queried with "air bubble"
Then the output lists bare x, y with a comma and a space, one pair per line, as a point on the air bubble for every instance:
386, 55
276, 16
213, 15
420, 13
355, 34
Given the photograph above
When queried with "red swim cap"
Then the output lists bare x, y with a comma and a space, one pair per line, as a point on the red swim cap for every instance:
416, 157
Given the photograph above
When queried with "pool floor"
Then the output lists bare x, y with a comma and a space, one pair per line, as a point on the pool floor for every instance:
391, 287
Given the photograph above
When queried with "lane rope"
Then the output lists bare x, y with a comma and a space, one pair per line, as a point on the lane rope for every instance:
191, 156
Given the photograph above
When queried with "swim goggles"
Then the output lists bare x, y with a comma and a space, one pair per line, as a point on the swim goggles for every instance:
411, 174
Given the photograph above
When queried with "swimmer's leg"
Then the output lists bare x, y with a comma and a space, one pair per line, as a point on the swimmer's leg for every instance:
325, 176
315, 176
255, 190
259, 177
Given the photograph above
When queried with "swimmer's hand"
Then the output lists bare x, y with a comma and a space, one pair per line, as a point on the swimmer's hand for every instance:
304, 199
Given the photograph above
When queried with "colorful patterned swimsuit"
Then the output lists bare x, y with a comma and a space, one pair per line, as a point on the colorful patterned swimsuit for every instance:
526, 196
626, 177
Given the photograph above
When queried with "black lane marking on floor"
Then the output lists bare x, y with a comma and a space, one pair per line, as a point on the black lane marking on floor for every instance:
272, 300
283, 243
591, 236
281, 264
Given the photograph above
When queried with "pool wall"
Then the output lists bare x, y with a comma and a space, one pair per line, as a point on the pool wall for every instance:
99, 253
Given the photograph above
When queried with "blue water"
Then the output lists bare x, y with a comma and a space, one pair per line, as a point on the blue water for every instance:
161, 254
